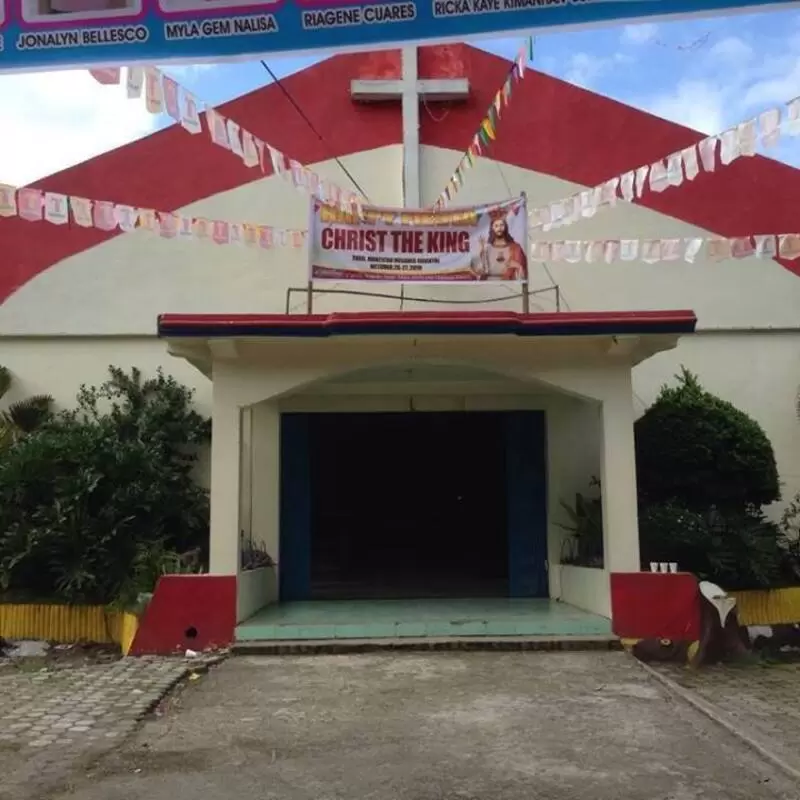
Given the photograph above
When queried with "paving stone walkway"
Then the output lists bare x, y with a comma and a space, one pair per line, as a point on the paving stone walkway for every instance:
54, 720
760, 700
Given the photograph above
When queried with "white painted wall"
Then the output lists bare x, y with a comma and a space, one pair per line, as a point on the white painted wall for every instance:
586, 588
758, 372
122, 285
255, 588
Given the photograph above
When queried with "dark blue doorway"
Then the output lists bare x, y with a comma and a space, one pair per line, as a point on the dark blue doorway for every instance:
413, 505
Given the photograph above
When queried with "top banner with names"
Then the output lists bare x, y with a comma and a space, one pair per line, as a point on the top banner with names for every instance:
56, 34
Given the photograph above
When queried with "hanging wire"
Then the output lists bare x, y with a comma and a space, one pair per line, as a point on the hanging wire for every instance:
277, 81
695, 44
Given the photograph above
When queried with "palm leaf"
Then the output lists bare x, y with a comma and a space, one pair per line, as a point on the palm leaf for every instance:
5, 380
27, 415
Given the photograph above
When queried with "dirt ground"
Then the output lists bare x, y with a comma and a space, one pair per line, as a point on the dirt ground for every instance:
444, 726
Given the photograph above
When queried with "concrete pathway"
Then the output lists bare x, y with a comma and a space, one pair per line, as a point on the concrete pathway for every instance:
53, 720
760, 700
444, 726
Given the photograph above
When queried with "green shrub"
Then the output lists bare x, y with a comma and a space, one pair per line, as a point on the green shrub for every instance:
701, 452
84, 497
737, 549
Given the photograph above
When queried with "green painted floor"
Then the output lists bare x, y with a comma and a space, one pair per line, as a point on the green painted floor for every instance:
378, 619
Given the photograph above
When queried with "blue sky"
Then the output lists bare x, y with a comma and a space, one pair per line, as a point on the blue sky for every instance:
706, 73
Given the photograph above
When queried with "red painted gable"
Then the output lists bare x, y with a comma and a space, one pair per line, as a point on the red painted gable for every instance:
550, 127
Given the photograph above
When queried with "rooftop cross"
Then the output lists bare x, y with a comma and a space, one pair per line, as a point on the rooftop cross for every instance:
411, 90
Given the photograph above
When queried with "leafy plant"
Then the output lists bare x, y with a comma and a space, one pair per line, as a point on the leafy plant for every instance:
151, 561
88, 495
254, 555
737, 550
22, 417
584, 546
699, 451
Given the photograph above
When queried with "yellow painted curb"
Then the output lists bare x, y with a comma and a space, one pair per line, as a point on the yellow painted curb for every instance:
63, 624
768, 606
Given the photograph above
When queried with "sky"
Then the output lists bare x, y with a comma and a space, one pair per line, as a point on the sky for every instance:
708, 74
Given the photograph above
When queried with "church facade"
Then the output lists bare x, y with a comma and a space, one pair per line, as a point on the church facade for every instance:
521, 410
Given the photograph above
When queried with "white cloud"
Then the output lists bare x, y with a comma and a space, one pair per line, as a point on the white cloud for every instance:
584, 69
696, 104
50, 121
731, 51
734, 81
775, 88
639, 34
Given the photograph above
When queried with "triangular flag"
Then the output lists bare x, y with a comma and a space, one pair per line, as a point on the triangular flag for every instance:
148, 219
153, 94
185, 228
30, 204
167, 225
171, 101
201, 227
109, 76
249, 150
788, 246
127, 218
134, 82
693, 248
190, 118
235, 138
769, 123
718, 249
265, 237
742, 247
104, 217
765, 246
486, 128
56, 208
8, 200
81, 211
220, 232
217, 128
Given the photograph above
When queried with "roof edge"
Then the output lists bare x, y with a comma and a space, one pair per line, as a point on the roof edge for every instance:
490, 323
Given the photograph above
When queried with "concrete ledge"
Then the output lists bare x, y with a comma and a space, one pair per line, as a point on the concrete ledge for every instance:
508, 643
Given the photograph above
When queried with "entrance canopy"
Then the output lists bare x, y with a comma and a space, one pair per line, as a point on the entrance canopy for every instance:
541, 399
556, 339
45, 34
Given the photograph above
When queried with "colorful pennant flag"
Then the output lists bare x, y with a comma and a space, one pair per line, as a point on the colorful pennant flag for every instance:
164, 94
652, 251
719, 150
487, 130
36, 205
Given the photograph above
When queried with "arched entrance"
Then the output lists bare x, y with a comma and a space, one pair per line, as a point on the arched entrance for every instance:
312, 414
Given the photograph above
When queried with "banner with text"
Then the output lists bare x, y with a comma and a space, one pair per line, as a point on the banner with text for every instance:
481, 243
51, 34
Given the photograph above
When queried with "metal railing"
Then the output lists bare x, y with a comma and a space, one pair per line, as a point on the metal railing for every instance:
524, 296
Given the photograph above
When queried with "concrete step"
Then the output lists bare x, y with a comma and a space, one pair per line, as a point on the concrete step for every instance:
427, 643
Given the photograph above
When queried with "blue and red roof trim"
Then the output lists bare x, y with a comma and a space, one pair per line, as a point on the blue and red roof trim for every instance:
490, 323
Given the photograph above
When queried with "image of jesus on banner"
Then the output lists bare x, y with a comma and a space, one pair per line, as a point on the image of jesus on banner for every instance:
500, 258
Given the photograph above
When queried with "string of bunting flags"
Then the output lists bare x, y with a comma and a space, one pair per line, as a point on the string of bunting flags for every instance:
487, 130
35, 205
684, 165
163, 94
652, 251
